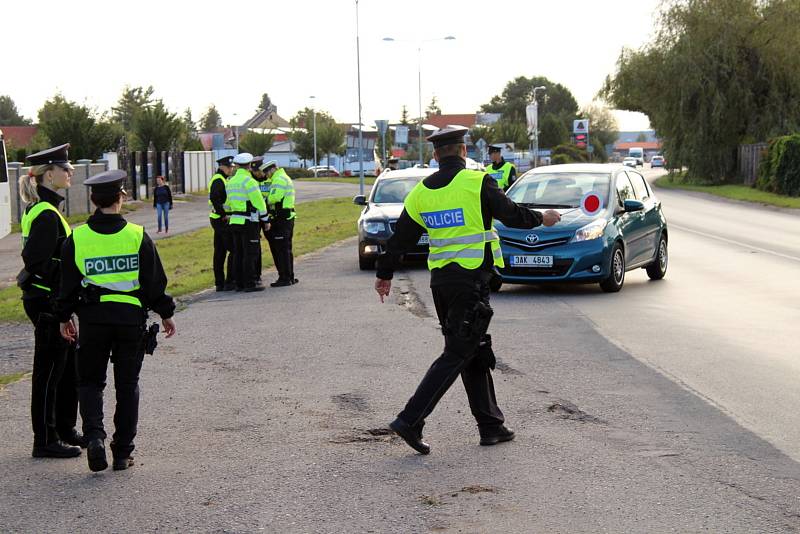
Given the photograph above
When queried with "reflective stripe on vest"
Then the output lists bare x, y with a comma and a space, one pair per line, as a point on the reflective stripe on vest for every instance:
235, 188
213, 214
110, 261
27, 222
500, 175
453, 219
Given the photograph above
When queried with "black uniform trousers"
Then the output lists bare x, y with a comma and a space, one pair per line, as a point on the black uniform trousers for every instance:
223, 250
54, 394
280, 237
469, 356
124, 346
246, 249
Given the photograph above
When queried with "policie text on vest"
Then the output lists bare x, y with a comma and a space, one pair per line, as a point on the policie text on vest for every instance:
111, 264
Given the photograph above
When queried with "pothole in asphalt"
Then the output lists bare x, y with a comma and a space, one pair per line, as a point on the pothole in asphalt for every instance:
439, 500
506, 369
567, 410
369, 435
408, 298
351, 401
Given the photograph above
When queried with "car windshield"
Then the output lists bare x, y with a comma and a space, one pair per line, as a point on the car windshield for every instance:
394, 190
558, 190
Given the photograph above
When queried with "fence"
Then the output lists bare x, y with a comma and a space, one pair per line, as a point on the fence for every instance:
749, 160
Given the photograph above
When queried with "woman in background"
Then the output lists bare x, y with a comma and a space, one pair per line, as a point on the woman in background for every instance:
162, 202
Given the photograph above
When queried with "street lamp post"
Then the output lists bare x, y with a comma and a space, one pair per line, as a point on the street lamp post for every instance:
314, 110
536, 130
236, 130
419, 83
360, 123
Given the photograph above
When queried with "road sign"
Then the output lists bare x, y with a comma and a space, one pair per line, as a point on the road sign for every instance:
382, 126
590, 149
481, 144
580, 126
581, 140
401, 135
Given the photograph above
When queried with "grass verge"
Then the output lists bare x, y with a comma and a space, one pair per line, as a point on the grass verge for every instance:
733, 191
10, 379
368, 180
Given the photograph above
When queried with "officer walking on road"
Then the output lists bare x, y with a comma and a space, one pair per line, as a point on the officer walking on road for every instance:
111, 276
223, 243
455, 206
502, 171
282, 215
54, 394
248, 213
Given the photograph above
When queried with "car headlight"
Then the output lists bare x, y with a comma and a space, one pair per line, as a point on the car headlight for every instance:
593, 230
374, 227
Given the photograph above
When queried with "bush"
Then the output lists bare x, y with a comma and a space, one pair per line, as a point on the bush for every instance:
779, 171
572, 154
297, 172
560, 159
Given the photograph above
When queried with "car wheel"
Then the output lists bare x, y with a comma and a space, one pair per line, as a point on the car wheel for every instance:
616, 275
366, 264
658, 269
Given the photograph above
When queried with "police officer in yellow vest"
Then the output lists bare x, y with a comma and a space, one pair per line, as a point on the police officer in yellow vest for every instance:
455, 206
280, 201
248, 213
218, 216
502, 171
260, 178
54, 394
111, 276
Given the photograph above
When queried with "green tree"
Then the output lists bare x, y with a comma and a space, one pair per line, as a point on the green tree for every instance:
188, 122
303, 135
518, 93
552, 131
404, 116
90, 134
504, 131
433, 108
479, 131
132, 100
603, 128
265, 103
717, 73
641, 138
256, 143
156, 124
210, 120
568, 153
330, 138
9, 116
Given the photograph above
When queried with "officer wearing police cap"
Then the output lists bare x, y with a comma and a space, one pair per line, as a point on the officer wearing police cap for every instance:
218, 217
455, 206
502, 171
111, 276
54, 395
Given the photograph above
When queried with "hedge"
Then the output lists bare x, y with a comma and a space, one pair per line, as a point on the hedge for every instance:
779, 171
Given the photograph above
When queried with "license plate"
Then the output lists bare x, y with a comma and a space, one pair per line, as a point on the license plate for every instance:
423, 240
531, 261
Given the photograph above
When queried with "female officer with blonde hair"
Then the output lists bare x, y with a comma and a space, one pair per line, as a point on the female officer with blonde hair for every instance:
54, 397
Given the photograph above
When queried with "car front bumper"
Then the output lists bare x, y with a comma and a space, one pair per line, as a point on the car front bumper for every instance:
583, 262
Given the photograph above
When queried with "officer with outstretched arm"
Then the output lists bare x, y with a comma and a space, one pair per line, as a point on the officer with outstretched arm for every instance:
110, 277
455, 206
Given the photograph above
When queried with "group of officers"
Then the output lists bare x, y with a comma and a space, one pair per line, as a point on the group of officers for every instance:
247, 197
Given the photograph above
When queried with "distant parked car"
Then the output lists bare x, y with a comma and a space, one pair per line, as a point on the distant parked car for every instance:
630, 162
324, 170
657, 161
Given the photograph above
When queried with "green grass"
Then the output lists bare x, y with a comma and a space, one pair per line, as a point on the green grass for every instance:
368, 180
187, 257
10, 379
733, 191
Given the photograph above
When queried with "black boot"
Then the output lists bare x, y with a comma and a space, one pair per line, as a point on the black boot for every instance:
496, 435
410, 435
74, 438
57, 449
96, 454
121, 464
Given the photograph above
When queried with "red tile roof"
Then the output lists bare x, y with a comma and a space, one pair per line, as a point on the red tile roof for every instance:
19, 136
650, 145
460, 119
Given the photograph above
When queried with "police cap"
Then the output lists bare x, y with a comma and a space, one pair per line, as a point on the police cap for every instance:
256, 163
226, 161
57, 154
450, 135
243, 159
495, 148
107, 181
267, 164
393, 160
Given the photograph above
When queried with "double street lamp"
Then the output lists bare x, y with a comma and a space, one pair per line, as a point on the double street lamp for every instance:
314, 111
419, 81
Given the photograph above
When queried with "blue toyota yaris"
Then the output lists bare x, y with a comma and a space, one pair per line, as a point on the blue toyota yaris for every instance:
611, 222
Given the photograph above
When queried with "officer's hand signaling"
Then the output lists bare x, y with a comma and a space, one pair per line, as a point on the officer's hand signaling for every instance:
69, 331
550, 217
383, 287
169, 327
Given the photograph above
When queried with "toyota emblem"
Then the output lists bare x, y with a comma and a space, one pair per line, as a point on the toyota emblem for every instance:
531, 238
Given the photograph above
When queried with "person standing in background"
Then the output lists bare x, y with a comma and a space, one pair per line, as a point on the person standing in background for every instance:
162, 202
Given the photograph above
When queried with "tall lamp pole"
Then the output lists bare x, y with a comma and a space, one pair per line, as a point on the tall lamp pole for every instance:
314, 110
536, 130
419, 83
360, 123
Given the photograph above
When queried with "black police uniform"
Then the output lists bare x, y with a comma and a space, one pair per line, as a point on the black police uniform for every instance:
457, 292
54, 395
223, 242
255, 231
111, 330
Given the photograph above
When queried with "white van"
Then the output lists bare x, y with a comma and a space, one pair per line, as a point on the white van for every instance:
638, 153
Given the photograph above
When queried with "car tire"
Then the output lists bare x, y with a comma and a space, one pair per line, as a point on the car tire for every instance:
616, 271
658, 269
366, 264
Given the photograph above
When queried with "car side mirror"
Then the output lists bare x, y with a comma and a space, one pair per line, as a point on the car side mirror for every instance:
633, 205
360, 200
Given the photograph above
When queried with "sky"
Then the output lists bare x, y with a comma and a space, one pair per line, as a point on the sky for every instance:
229, 53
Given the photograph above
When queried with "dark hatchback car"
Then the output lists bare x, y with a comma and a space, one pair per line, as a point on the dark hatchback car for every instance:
382, 208
627, 231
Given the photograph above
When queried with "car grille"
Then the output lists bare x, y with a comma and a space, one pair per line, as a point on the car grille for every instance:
535, 246
559, 268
